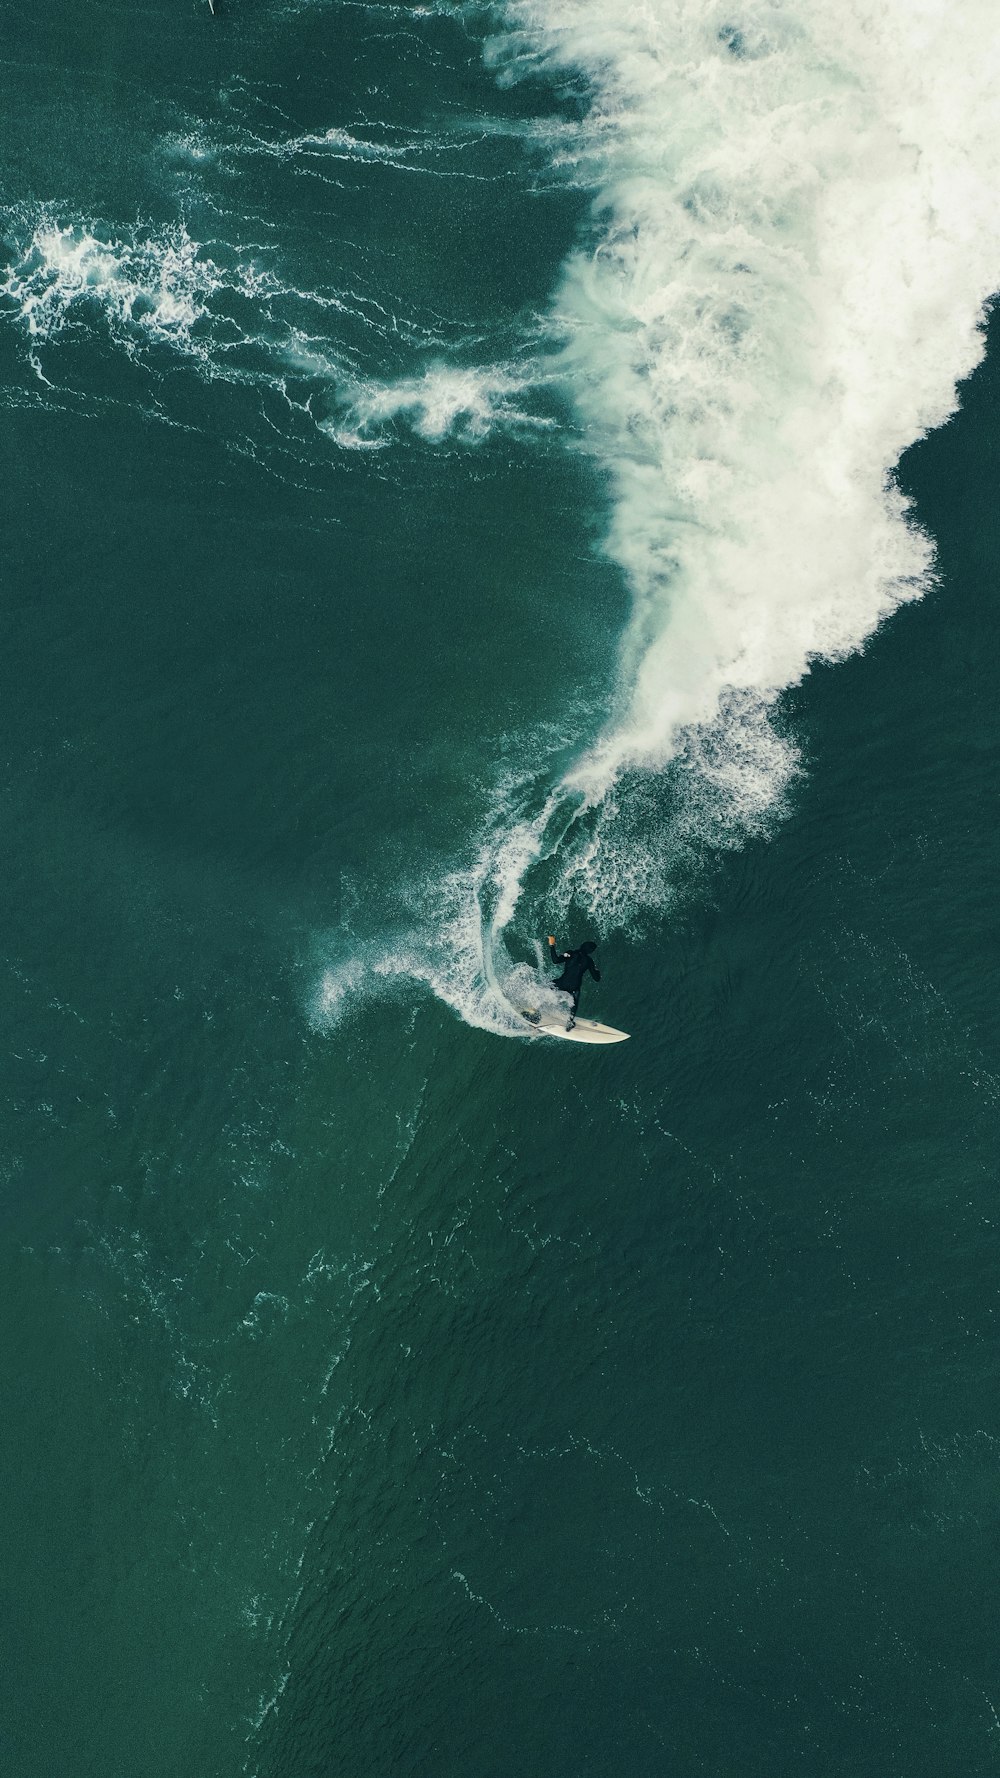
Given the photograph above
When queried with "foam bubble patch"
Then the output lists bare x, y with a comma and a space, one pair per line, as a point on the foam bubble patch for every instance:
447, 401
152, 286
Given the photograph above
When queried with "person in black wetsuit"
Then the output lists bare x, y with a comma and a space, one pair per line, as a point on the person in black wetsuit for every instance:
576, 965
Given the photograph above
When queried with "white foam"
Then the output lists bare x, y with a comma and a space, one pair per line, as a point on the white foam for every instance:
152, 285
147, 289
190, 146
444, 954
794, 234
446, 401
150, 288
793, 237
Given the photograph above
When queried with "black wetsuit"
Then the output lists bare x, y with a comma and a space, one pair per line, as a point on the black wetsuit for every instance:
576, 966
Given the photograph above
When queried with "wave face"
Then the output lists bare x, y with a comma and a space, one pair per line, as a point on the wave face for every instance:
793, 237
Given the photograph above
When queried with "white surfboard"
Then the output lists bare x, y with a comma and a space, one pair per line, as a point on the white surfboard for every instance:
545, 1023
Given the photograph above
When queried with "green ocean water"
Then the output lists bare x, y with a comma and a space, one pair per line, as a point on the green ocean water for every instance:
382, 1395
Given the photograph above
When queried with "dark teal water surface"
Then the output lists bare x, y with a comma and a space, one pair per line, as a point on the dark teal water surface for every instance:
392, 1398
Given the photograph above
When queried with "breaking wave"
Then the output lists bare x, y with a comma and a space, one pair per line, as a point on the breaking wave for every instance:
791, 245
794, 239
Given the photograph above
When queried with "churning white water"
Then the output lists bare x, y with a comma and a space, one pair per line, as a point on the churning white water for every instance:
795, 228
794, 231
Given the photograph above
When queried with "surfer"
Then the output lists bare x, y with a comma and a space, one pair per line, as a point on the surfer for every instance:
576, 964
